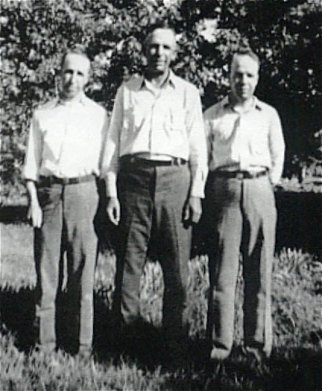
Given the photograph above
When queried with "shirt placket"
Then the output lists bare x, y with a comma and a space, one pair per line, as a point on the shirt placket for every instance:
154, 118
241, 142
66, 125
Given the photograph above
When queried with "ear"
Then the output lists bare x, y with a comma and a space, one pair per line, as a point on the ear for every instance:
144, 60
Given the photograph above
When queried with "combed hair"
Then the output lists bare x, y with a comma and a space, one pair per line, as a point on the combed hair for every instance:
158, 25
77, 49
243, 50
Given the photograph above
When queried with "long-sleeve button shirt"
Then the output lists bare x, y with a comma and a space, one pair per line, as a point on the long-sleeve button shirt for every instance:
66, 139
245, 140
165, 121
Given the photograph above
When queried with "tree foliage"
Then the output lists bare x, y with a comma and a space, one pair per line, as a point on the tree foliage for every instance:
34, 33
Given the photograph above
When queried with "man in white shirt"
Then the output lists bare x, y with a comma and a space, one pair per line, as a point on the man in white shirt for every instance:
157, 164
62, 160
246, 154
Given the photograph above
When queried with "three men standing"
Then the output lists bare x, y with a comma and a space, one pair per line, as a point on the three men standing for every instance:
246, 153
62, 160
157, 165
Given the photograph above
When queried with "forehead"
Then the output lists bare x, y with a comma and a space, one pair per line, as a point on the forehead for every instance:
77, 62
243, 62
162, 36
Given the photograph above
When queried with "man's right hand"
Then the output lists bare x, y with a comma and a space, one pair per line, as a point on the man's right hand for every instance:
34, 211
35, 214
113, 210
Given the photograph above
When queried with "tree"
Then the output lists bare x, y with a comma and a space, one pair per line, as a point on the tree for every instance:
285, 34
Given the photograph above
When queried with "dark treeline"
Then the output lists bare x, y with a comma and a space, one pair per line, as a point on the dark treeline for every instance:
285, 34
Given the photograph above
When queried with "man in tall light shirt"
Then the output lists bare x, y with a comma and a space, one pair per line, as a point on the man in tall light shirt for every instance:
246, 154
63, 158
157, 163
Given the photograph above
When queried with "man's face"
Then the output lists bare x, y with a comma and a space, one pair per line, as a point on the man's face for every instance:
160, 51
243, 77
74, 75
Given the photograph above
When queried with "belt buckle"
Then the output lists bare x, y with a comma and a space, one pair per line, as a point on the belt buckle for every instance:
240, 175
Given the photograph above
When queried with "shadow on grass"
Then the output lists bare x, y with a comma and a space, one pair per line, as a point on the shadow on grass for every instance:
18, 317
287, 369
142, 344
296, 369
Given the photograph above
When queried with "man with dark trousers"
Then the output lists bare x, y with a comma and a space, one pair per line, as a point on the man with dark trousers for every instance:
62, 161
246, 153
156, 158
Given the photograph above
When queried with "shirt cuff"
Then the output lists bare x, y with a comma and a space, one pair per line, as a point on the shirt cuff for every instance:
27, 176
275, 177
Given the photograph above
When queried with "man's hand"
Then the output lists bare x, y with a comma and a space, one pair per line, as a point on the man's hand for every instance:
193, 210
35, 214
34, 211
113, 210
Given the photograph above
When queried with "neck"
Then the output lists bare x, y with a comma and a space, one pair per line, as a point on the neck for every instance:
156, 79
241, 105
76, 98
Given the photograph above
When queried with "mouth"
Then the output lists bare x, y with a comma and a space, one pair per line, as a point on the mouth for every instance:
158, 63
70, 88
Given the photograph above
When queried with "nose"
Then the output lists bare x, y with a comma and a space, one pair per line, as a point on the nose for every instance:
73, 77
243, 79
159, 50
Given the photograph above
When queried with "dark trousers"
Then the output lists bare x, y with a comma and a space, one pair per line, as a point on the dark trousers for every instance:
152, 201
241, 218
68, 214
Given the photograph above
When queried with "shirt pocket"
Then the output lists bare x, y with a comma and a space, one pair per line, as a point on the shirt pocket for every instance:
134, 117
223, 131
53, 134
49, 196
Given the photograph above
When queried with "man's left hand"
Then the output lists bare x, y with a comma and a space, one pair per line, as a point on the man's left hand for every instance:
193, 210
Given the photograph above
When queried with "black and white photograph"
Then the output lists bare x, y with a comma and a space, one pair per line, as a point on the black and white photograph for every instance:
161, 195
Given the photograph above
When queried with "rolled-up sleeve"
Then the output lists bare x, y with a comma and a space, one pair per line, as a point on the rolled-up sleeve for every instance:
33, 152
277, 147
197, 144
111, 154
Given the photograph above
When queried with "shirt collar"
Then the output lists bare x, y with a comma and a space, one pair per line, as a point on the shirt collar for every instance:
172, 80
257, 104
82, 99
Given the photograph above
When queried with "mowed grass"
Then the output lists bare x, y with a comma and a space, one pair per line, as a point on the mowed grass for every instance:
296, 362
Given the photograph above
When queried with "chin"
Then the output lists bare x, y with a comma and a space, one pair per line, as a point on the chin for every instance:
157, 71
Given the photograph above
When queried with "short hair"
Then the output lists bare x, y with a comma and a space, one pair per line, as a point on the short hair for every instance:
245, 50
77, 49
155, 26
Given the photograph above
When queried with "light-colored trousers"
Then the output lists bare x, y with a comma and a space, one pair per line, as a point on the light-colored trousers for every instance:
241, 217
68, 220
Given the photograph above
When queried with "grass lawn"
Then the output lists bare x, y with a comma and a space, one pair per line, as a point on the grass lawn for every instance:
296, 362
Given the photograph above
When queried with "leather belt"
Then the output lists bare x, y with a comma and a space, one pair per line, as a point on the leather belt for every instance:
132, 159
54, 180
239, 174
